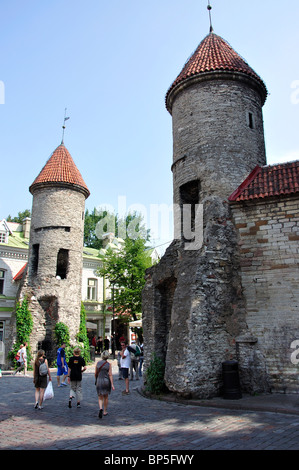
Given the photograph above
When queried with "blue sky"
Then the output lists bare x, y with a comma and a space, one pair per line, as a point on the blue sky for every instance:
110, 64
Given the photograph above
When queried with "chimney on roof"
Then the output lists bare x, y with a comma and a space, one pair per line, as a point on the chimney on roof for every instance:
26, 227
107, 238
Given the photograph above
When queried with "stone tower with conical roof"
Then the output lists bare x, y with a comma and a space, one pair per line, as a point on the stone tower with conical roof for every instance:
53, 279
193, 305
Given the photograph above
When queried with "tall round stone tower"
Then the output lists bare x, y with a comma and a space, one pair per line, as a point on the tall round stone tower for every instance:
54, 275
216, 106
193, 307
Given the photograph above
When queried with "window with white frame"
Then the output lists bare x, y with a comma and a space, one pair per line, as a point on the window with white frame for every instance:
1, 331
3, 237
2, 275
92, 287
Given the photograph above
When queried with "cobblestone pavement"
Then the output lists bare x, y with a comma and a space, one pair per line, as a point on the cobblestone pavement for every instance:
133, 422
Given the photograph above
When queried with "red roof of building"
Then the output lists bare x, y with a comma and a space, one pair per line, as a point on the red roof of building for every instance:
266, 181
214, 54
60, 168
19, 274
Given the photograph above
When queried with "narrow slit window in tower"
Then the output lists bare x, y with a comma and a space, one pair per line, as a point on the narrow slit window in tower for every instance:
35, 255
189, 196
62, 263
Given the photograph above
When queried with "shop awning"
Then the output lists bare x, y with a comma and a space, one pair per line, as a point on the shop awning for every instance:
137, 323
91, 326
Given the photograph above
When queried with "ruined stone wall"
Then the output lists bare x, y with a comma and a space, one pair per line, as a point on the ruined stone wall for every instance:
269, 259
193, 308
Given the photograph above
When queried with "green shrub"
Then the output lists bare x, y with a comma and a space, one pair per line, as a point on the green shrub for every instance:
155, 375
24, 325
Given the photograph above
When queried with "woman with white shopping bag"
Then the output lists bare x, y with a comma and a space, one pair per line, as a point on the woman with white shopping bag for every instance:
40, 378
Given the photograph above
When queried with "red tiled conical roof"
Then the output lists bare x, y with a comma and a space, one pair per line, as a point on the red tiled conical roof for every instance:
60, 168
266, 181
212, 55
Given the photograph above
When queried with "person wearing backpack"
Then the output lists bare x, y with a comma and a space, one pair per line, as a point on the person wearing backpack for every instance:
135, 354
40, 378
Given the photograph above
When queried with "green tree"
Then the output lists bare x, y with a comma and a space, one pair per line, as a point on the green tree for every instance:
24, 325
20, 217
101, 221
125, 271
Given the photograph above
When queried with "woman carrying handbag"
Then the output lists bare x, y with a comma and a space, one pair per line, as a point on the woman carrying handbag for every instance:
40, 378
104, 382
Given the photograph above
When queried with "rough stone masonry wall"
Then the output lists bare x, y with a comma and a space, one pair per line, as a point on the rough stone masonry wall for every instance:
57, 223
193, 307
269, 250
212, 139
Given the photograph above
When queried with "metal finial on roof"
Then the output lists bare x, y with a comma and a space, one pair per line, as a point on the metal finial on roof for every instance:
63, 127
210, 16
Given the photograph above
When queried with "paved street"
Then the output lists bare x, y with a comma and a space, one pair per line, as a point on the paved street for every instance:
133, 423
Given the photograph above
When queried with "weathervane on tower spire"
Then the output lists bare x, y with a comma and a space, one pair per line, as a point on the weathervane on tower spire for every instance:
63, 127
210, 16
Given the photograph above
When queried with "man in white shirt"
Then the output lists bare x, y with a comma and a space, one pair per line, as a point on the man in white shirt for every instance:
22, 360
125, 361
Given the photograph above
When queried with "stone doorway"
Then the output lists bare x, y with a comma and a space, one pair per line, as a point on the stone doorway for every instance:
49, 307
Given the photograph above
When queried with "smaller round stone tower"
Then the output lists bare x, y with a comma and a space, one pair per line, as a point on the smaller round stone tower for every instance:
54, 274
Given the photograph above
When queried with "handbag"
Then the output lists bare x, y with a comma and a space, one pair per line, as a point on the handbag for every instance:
99, 371
49, 392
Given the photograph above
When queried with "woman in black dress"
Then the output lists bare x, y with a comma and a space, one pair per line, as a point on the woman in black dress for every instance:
40, 381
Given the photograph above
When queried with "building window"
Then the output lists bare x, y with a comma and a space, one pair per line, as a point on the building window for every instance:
3, 237
1, 332
92, 286
62, 263
2, 275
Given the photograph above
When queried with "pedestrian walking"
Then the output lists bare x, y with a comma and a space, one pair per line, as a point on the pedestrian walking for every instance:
76, 367
99, 344
106, 343
62, 368
40, 378
104, 383
134, 366
125, 361
120, 375
17, 358
141, 360
22, 359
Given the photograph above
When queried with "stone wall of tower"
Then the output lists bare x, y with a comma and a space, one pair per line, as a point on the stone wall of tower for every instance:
193, 307
54, 278
218, 135
193, 303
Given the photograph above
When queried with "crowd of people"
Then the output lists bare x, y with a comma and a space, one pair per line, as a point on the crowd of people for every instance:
69, 372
